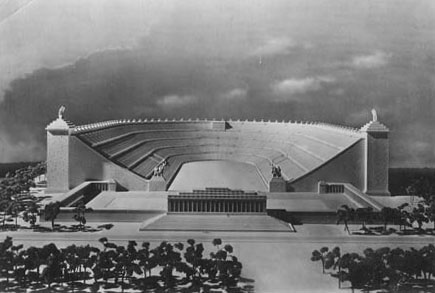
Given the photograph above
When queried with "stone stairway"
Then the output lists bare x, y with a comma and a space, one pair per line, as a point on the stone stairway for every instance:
239, 223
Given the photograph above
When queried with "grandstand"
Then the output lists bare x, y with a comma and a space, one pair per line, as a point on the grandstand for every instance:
147, 155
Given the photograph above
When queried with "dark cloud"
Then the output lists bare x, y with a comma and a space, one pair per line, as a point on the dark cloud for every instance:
311, 60
138, 83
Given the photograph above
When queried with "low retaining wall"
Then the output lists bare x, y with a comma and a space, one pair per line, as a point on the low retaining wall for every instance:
105, 215
298, 218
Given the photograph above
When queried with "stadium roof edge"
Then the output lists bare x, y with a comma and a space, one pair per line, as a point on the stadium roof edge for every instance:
112, 123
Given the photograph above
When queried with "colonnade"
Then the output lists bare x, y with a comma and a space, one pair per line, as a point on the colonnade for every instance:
193, 205
334, 188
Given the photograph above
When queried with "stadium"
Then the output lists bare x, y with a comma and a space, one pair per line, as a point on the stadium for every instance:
140, 169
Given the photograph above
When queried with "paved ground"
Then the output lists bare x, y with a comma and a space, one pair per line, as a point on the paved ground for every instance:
218, 174
277, 262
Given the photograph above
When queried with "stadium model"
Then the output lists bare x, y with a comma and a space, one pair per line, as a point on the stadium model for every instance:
305, 168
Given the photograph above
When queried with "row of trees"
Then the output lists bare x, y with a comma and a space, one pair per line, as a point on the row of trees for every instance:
404, 216
15, 197
16, 200
384, 268
115, 266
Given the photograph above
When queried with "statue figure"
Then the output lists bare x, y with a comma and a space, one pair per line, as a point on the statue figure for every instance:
60, 112
158, 170
375, 115
276, 171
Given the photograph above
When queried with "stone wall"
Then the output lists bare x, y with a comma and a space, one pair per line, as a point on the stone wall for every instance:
86, 164
347, 167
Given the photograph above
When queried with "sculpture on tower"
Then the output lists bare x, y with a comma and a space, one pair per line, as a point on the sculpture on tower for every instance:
374, 115
60, 112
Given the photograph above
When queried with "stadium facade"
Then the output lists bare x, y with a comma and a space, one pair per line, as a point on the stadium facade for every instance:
146, 155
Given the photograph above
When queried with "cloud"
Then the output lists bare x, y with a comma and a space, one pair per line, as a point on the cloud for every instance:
176, 100
181, 49
23, 151
275, 46
375, 60
235, 94
288, 88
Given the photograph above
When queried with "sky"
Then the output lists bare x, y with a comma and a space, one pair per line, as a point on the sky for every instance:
313, 60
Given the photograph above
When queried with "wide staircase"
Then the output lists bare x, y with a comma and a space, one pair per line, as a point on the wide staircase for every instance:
207, 223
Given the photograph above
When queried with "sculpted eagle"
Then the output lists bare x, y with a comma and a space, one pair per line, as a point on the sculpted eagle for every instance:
60, 112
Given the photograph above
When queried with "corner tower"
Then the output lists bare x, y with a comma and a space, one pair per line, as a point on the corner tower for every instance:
376, 157
58, 140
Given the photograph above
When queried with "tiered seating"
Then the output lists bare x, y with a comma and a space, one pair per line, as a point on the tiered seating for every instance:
296, 148
101, 135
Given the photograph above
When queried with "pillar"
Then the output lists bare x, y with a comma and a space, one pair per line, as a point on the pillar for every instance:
58, 144
376, 157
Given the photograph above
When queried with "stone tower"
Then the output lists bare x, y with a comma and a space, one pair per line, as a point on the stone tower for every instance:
58, 140
376, 157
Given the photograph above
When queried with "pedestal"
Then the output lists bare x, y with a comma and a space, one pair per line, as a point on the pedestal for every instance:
277, 185
157, 183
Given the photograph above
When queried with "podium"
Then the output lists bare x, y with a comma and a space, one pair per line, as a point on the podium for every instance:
157, 183
277, 184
